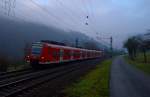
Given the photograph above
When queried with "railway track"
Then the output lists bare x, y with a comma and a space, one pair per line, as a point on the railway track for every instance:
11, 72
14, 86
8, 75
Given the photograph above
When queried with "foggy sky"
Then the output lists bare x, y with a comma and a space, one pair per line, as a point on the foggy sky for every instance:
117, 18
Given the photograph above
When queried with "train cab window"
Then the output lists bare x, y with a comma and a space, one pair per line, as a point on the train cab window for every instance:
36, 50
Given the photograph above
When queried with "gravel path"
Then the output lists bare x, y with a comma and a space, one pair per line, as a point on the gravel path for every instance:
127, 81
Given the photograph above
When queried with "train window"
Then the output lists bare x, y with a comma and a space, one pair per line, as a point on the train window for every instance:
83, 54
76, 54
49, 51
36, 50
71, 53
55, 54
67, 53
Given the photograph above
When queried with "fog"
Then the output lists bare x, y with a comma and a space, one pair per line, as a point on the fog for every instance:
26, 20
15, 35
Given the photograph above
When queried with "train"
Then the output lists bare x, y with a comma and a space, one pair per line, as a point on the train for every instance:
45, 53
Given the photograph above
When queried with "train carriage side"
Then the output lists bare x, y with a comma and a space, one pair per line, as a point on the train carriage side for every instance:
54, 54
45, 53
66, 54
82, 54
75, 54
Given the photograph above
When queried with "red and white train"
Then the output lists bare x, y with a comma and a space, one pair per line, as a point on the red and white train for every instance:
46, 53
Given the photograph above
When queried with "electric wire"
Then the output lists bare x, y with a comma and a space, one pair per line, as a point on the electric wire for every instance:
57, 19
89, 16
71, 17
92, 22
76, 18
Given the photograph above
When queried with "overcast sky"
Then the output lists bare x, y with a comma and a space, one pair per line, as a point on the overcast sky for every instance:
117, 18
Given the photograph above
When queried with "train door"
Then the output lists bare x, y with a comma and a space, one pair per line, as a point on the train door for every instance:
55, 55
67, 54
71, 53
61, 54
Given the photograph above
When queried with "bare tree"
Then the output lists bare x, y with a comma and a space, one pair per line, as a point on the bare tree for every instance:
132, 45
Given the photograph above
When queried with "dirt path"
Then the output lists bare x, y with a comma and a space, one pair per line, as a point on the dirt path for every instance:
127, 81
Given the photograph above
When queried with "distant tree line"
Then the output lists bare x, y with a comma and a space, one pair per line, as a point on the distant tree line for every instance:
137, 44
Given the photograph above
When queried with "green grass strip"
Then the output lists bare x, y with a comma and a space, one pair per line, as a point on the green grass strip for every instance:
94, 84
139, 63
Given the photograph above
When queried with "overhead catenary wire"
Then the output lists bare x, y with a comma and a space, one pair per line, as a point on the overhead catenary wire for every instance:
89, 16
57, 19
77, 19
85, 15
83, 8
79, 7
13, 5
90, 11
70, 12
93, 19
89, 7
102, 42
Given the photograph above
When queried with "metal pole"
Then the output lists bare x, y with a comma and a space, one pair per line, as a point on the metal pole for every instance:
111, 45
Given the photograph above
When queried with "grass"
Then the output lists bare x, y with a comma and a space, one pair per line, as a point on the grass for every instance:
17, 66
7, 64
140, 57
139, 62
94, 84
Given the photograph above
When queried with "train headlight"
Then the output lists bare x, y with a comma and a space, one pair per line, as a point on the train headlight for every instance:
42, 57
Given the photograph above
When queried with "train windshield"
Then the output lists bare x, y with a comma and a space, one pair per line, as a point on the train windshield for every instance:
36, 50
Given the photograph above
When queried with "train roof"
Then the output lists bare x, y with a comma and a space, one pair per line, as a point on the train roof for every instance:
67, 47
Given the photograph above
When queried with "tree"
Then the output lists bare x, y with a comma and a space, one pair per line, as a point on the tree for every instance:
144, 46
132, 44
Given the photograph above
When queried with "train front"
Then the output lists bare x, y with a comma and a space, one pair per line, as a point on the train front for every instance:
34, 55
